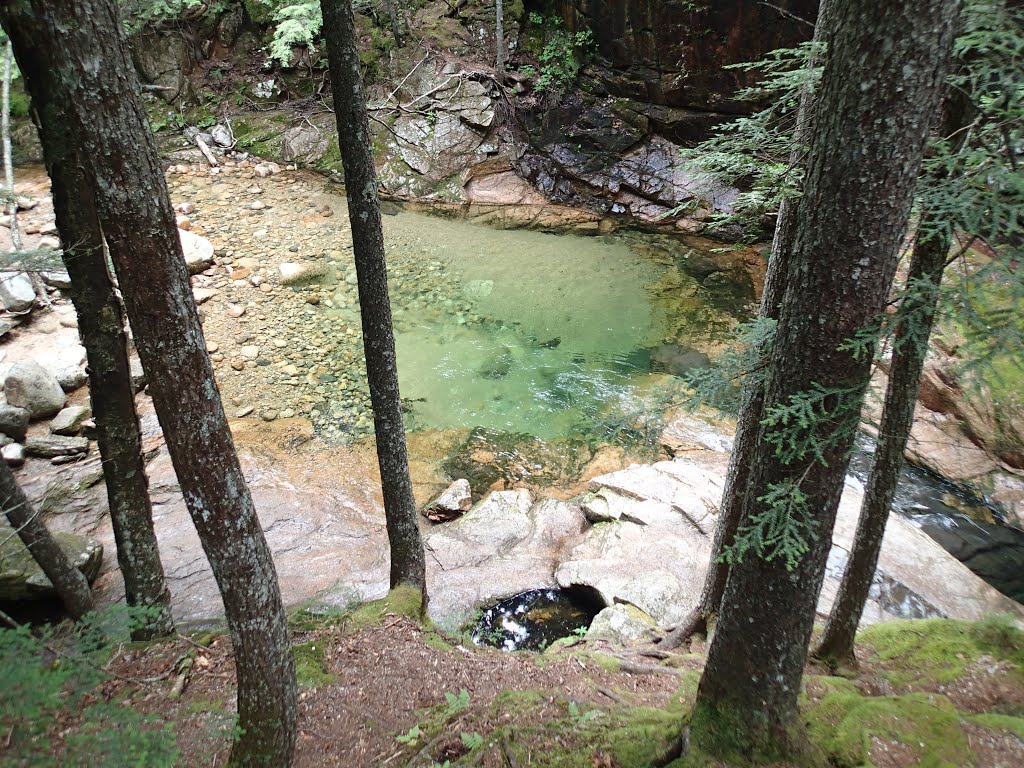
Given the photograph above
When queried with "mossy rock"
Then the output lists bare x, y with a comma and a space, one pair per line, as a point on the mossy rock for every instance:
21, 579
849, 726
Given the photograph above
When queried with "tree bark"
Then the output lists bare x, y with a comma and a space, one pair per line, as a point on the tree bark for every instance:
73, 50
396, 28
752, 396
408, 565
5, 131
910, 347
499, 40
68, 581
101, 327
881, 84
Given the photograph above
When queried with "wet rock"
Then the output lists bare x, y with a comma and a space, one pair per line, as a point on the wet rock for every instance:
679, 359
13, 421
453, 502
69, 421
13, 454
48, 446
620, 624
16, 292
504, 545
30, 386
21, 579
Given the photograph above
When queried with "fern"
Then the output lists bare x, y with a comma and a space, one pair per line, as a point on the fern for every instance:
783, 528
813, 422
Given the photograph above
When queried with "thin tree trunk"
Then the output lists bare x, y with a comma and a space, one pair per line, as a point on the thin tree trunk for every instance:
752, 396
101, 327
396, 29
928, 262
73, 50
499, 40
5, 131
68, 581
880, 87
407, 557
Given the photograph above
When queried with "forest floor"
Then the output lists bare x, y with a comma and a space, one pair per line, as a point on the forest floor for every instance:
379, 689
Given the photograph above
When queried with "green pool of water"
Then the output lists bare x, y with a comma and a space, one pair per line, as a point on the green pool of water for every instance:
527, 332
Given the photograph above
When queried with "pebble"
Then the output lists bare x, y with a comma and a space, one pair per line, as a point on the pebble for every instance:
241, 413
250, 352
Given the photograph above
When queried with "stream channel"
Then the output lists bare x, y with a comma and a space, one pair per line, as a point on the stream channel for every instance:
561, 337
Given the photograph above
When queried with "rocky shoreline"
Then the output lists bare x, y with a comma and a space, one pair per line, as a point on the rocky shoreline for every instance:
278, 255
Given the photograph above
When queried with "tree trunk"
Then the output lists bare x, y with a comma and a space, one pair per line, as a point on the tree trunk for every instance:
752, 397
101, 327
407, 559
499, 40
910, 347
68, 581
5, 131
880, 87
396, 29
73, 51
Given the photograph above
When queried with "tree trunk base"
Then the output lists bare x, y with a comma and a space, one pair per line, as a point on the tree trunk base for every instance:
696, 624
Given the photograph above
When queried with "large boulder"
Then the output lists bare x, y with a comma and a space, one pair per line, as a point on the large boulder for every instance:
30, 386
654, 556
504, 545
22, 579
16, 292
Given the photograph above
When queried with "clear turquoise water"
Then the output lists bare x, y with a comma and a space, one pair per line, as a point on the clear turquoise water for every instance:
531, 332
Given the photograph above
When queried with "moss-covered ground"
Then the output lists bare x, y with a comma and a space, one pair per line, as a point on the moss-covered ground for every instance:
379, 685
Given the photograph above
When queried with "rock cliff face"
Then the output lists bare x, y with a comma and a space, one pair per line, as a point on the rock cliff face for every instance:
674, 53
659, 79
655, 77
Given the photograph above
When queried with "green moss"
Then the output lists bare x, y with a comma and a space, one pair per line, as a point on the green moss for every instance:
19, 102
205, 706
584, 736
994, 722
331, 160
403, 600
605, 662
844, 724
312, 616
310, 666
938, 651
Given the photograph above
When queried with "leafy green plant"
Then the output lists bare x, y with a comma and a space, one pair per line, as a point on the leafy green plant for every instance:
411, 737
52, 707
562, 55
471, 740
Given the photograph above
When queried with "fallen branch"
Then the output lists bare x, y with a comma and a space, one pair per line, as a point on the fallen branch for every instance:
205, 149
